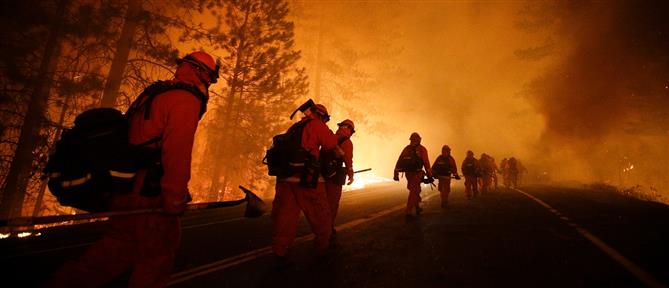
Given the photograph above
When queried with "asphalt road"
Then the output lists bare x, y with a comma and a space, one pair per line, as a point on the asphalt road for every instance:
538, 236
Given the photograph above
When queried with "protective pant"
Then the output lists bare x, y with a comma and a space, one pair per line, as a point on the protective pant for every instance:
486, 182
471, 187
333, 191
444, 189
494, 179
289, 200
513, 179
414, 179
144, 244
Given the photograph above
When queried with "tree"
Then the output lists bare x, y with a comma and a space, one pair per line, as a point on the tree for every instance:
120, 60
21, 165
38, 100
263, 83
349, 67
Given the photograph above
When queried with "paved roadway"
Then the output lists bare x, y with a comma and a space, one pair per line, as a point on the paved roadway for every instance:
538, 236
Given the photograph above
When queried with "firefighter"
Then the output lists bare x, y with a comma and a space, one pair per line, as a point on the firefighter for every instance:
146, 244
304, 189
411, 161
513, 171
470, 169
443, 168
487, 171
337, 165
521, 171
503, 169
495, 169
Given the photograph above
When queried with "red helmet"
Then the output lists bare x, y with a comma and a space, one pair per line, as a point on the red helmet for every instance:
321, 111
204, 61
446, 147
348, 123
414, 136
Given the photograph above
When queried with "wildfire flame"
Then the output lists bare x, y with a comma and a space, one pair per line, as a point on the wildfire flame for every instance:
362, 180
627, 169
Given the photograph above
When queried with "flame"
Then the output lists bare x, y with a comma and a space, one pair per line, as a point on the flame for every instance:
362, 180
24, 234
627, 169
5, 235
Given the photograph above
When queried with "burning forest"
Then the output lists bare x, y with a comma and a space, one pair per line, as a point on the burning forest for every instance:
579, 90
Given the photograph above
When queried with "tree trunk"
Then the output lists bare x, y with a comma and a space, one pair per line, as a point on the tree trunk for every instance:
224, 169
22, 163
319, 59
121, 57
220, 168
59, 132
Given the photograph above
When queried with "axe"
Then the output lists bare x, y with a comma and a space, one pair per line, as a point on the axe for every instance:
304, 107
255, 207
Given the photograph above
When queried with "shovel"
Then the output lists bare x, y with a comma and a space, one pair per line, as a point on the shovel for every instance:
255, 207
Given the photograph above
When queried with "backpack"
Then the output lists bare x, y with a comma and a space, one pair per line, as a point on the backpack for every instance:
286, 157
330, 163
410, 162
485, 167
94, 159
512, 166
332, 166
469, 167
441, 167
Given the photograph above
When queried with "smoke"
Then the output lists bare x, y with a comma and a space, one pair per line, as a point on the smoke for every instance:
577, 90
605, 101
454, 78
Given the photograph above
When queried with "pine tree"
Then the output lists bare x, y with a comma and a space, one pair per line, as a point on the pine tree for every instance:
348, 67
263, 84
33, 119
38, 100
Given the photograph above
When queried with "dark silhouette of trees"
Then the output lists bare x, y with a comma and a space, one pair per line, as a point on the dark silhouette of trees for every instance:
55, 55
61, 57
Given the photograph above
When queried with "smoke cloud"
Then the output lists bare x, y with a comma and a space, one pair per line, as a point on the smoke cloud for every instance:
578, 90
605, 100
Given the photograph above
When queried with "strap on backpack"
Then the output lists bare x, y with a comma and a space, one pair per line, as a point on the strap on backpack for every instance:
150, 141
147, 96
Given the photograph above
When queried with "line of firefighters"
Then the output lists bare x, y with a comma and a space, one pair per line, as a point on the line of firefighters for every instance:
415, 164
311, 164
316, 192
145, 245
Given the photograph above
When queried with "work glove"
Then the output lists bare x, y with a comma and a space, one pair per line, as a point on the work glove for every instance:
175, 203
396, 176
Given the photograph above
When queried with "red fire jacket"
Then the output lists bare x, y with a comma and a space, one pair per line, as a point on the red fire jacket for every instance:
422, 153
174, 117
316, 135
